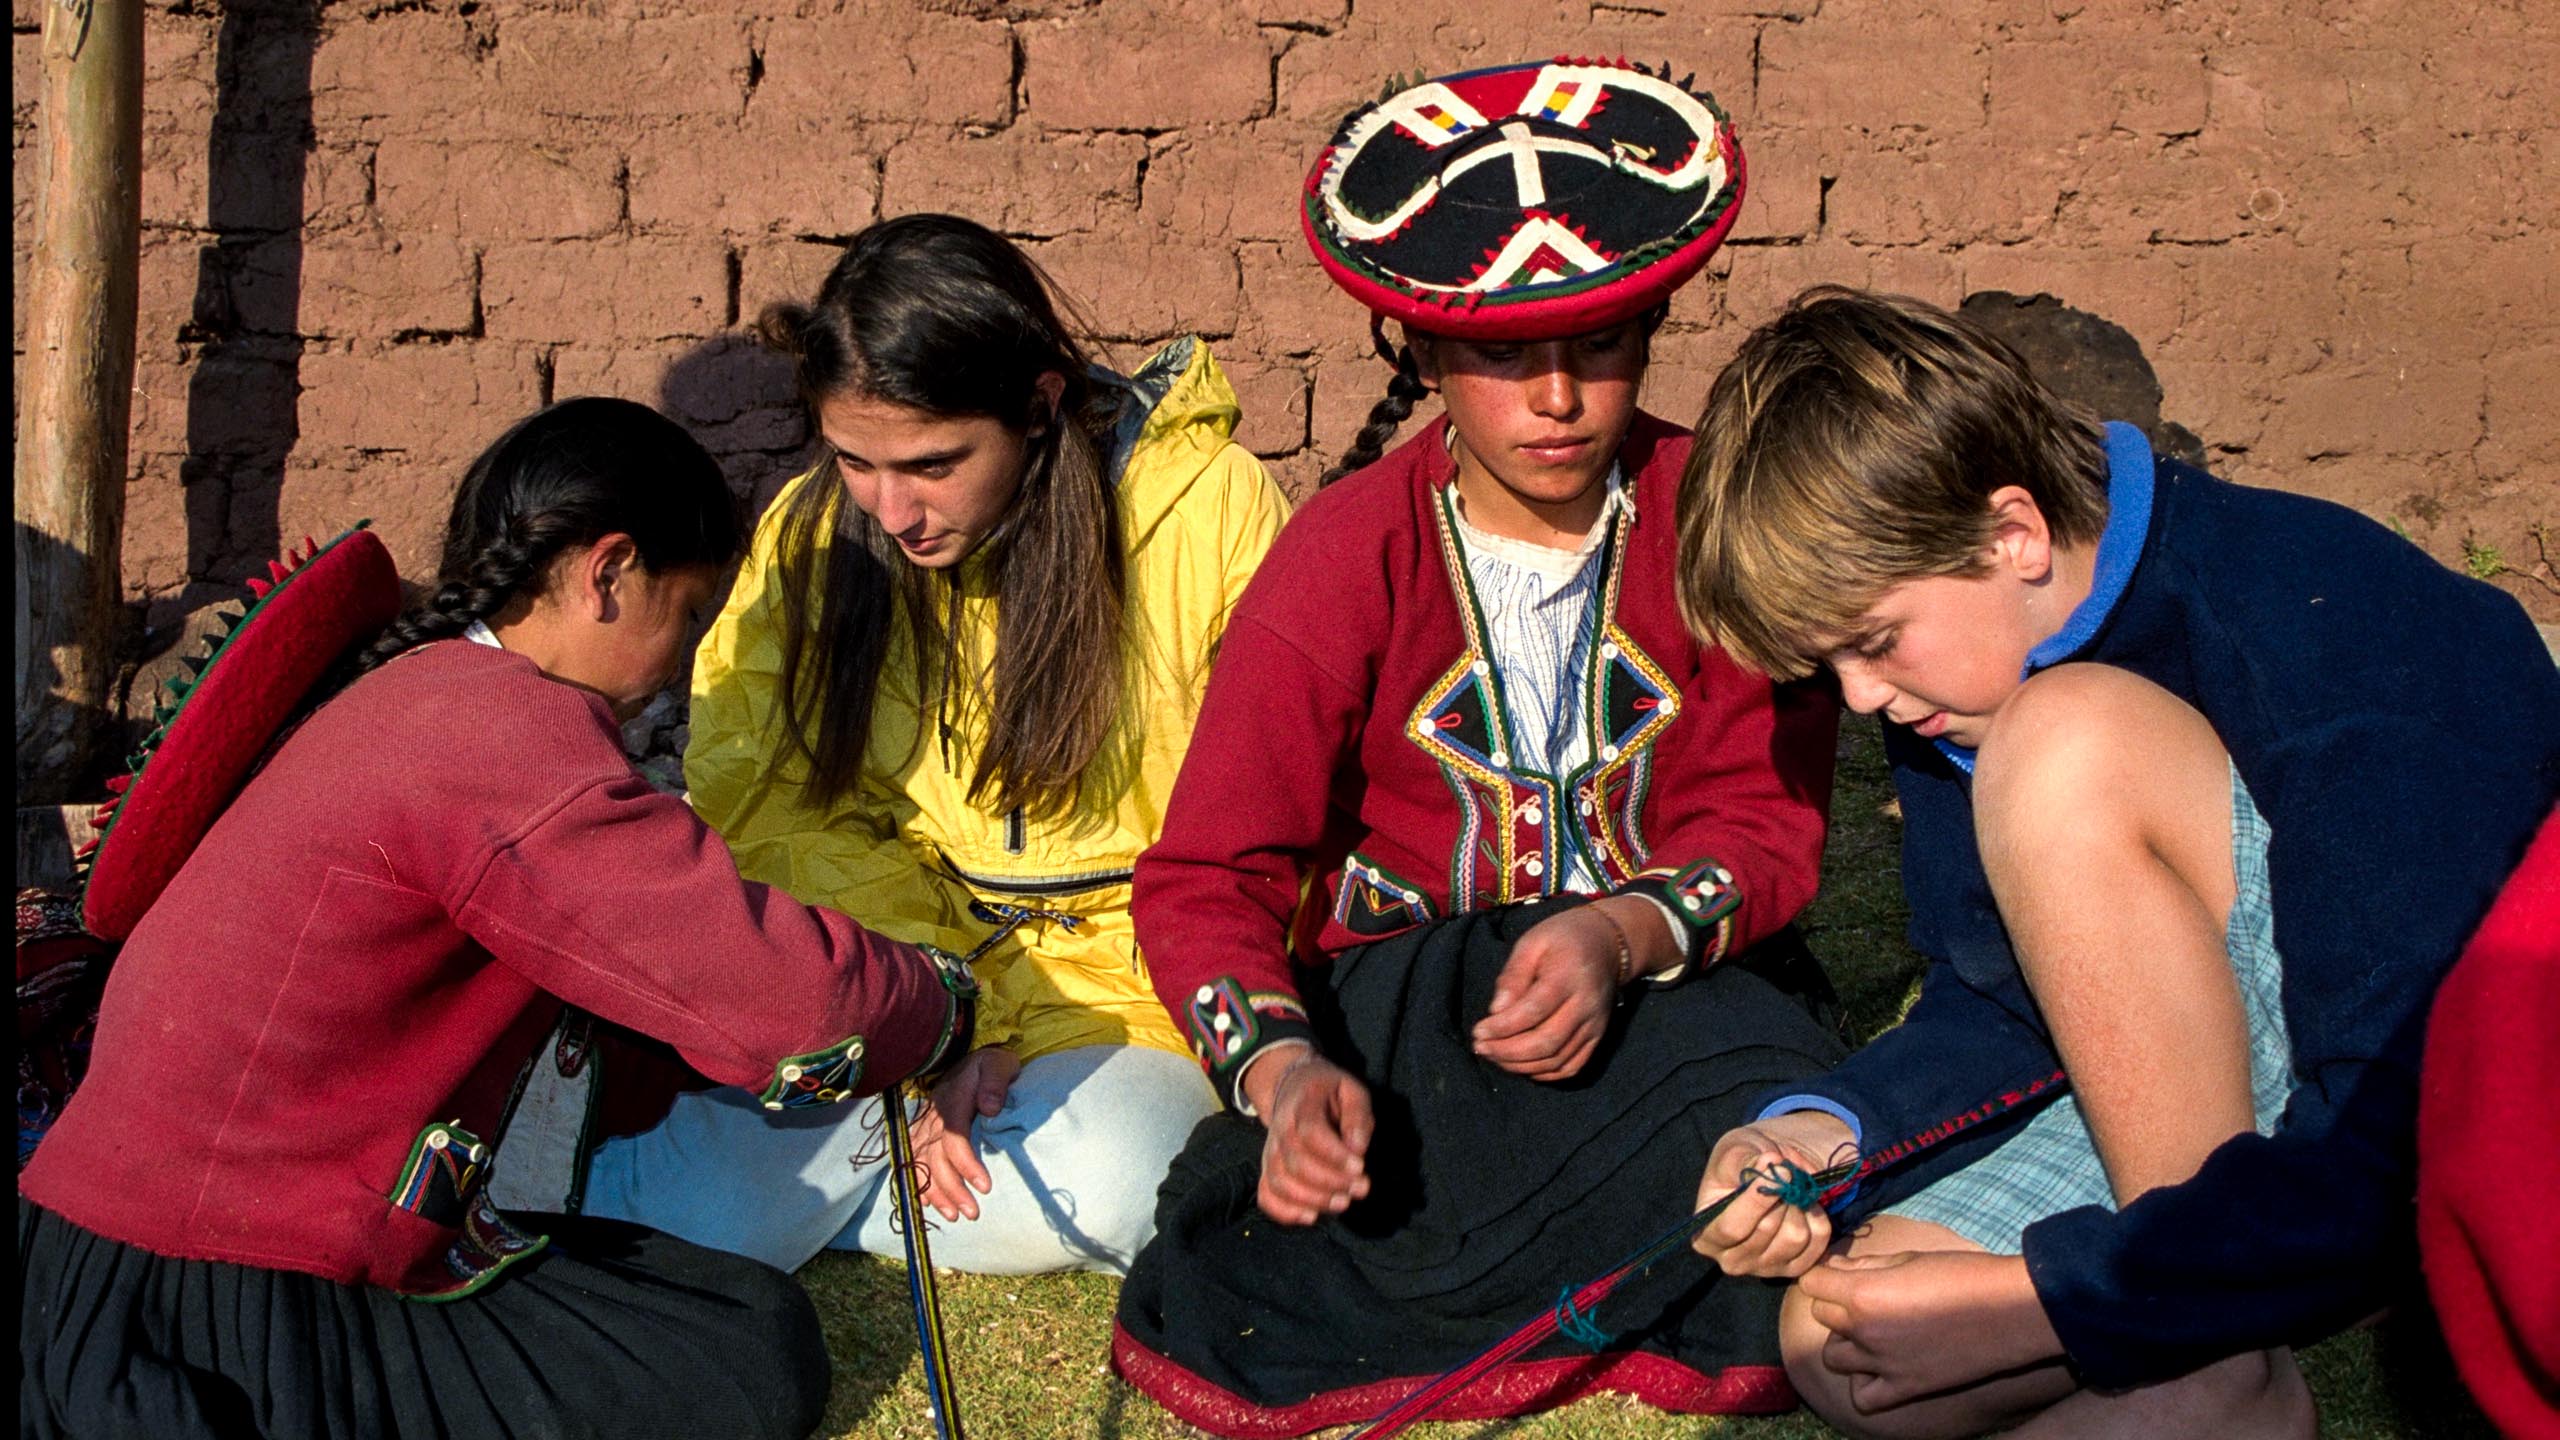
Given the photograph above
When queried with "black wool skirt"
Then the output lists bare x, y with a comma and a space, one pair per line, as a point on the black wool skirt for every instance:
1489, 1194
611, 1330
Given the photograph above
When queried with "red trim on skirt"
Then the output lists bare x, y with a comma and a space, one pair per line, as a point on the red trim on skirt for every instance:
1523, 1387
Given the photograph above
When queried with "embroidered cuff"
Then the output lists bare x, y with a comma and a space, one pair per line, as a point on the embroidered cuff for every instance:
1704, 896
960, 1030
1230, 1026
821, 1077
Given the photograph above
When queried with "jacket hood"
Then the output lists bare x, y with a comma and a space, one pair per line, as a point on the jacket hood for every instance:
1176, 414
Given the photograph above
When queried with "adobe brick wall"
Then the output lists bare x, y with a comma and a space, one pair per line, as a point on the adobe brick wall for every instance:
377, 232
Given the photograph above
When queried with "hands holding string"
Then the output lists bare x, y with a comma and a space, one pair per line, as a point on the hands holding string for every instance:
1901, 1324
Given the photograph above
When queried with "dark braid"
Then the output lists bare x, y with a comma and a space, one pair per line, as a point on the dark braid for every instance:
560, 478
492, 578
1404, 390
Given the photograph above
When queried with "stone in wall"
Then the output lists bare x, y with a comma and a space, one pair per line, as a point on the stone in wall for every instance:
2086, 360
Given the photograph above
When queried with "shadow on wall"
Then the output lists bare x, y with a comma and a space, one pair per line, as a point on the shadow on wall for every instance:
741, 401
2087, 360
242, 336
243, 398
47, 834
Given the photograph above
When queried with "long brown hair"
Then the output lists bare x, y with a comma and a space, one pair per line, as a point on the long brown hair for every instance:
945, 316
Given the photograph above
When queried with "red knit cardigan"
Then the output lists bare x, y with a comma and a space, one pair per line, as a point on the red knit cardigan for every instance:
1353, 733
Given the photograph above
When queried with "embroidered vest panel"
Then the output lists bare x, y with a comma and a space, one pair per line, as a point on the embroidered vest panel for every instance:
1513, 824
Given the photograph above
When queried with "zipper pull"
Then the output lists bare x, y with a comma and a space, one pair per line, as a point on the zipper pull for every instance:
1016, 833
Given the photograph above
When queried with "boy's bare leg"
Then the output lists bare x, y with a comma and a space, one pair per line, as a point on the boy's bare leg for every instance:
2260, 1393
2103, 808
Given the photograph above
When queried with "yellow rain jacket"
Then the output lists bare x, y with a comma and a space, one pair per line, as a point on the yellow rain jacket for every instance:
908, 852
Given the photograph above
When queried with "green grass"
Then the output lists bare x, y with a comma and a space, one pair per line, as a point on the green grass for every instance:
1031, 1355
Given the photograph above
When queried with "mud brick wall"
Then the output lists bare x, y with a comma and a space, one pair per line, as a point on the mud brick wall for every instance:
378, 231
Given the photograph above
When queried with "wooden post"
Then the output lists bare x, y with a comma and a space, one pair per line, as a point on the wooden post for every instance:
75, 389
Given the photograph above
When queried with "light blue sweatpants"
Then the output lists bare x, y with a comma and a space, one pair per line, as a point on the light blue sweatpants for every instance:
1076, 1154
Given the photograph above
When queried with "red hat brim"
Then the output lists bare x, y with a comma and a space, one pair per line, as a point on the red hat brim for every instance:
307, 615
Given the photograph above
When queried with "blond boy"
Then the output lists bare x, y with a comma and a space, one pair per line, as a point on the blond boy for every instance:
2203, 787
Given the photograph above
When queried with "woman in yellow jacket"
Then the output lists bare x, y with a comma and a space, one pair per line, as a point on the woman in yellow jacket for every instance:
948, 695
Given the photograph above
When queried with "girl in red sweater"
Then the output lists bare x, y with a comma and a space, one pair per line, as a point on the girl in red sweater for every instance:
1465, 797
266, 1210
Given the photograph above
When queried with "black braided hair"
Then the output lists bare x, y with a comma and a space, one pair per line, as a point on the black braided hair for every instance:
1404, 390
562, 477
492, 578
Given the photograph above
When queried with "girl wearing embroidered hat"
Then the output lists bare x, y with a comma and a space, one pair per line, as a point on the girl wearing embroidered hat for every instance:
1457, 712
948, 693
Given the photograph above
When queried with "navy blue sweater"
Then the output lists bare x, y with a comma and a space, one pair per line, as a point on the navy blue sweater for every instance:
2399, 727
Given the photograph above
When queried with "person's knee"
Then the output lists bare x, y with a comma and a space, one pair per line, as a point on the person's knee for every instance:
778, 1362
1825, 1391
1800, 1342
1117, 1217
2261, 1394
1103, 1204
1098, 1158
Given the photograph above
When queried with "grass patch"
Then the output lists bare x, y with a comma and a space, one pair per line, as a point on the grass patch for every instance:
1031, 1354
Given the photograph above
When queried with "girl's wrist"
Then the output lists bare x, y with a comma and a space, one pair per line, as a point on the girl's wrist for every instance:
1644, 945
1277, 1062
1622, 951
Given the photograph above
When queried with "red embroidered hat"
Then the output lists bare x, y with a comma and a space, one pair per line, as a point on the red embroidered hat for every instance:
1525, 202
219, 718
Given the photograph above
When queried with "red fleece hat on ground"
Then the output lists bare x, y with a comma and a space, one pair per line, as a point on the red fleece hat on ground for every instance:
1526, 202
313, 605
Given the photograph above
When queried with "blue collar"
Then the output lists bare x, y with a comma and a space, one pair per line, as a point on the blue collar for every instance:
2129, 469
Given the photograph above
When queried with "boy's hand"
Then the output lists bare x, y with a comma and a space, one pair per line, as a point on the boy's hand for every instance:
1317, 1122
941, 1130
1551, 1003
1921, 1321
1760, 1234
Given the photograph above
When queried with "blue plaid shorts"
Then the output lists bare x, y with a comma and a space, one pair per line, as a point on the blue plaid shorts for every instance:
2051, 1165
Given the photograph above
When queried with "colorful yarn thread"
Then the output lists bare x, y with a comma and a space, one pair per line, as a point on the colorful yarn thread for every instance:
1789, 1183
940, 1398
941, 1395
